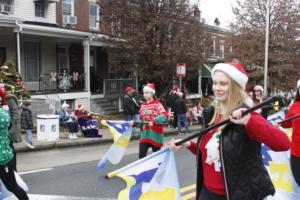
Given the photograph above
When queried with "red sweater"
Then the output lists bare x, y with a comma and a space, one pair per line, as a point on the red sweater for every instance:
152, 111
295, 124
257, 129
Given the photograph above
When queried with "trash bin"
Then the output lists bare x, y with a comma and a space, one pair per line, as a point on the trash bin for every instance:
47, 127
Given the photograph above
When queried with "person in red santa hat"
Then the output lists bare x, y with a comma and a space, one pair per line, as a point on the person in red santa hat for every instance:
152, 112
7, 169
258, 97
229, 162
295, 125
131, 106
80, 112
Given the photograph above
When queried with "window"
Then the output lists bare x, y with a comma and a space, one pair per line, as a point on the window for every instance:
32, 60
6, 6
222, 48
63, 60
6, 2
68, 7
213, 45
115, 25
230, 49
2, 55
39, 8
94, 16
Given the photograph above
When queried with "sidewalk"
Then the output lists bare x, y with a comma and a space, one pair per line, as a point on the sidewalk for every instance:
64, 142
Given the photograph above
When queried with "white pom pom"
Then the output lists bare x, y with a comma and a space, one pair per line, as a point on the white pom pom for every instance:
5, 107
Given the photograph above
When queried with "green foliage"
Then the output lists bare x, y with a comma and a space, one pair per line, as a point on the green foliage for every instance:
12, 80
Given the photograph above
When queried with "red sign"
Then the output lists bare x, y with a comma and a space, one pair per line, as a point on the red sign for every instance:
180, 69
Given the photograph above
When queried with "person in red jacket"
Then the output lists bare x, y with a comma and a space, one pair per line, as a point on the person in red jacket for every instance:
229, 162
295, 124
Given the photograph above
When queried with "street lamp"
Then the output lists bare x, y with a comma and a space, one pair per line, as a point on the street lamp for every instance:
267, 49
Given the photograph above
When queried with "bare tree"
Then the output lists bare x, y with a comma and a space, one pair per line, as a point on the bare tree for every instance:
156, 35
284, 45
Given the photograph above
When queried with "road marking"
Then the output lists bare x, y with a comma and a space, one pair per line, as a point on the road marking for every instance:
189, 192
35, 171
188, 196
188, 188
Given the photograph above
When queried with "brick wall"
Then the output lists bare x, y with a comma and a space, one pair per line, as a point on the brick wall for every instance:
81, 11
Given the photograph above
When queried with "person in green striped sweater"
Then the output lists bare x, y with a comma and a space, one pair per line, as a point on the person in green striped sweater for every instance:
153, 113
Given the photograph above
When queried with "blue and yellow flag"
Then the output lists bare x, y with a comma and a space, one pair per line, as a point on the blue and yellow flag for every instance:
278, 166
151, 178
121, 132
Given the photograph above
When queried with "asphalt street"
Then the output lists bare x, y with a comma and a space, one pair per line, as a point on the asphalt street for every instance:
71, 173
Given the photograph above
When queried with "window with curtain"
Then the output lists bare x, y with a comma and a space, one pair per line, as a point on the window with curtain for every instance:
39, 8
6, 2
68, 7
94, 16
32, 60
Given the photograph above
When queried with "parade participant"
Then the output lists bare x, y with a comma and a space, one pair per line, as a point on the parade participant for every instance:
229, 164
258, 97
152, 112
7, 172
295, 125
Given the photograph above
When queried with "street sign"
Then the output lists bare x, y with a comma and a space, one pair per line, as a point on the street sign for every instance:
180, 69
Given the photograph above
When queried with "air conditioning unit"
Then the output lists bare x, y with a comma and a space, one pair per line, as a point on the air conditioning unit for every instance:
68, 19
5, 8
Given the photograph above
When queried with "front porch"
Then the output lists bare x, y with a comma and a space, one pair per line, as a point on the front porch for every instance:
64, 65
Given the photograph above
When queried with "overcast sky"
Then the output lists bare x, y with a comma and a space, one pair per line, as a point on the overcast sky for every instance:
217, 8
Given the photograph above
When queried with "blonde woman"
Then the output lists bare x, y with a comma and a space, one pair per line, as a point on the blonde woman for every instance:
229, 162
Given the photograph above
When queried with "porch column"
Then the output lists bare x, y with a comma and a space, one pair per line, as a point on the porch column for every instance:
86, 61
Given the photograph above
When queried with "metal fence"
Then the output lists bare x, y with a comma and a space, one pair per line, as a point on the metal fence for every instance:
61, 82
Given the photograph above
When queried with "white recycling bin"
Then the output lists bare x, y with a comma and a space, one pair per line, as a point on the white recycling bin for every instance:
47, 127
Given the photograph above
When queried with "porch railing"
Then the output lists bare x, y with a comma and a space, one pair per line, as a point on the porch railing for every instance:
61, 82
115, 87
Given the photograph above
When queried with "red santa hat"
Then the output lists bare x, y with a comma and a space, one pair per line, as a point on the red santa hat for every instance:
80, 107
235, 71
3, 97
150, 87
175, 90
128, 89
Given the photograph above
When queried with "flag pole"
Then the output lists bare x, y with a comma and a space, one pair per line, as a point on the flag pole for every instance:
227, 121
162, 124
288, 119
267, 49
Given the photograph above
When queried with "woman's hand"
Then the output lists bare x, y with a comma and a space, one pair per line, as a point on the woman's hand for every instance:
176, 148
150, 123
132, 122
276, 124
237, 118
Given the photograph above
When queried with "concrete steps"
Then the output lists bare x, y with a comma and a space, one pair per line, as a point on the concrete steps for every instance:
105, 106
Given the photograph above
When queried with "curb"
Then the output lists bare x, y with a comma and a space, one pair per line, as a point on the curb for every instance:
78, 142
